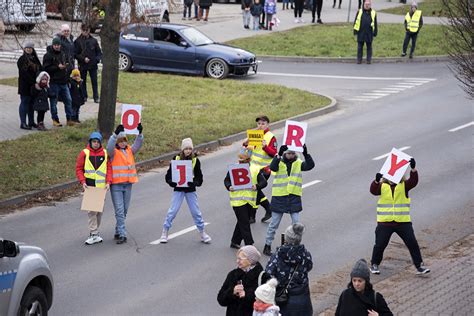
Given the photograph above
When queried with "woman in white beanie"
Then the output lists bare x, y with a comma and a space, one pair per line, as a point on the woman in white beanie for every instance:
265, 299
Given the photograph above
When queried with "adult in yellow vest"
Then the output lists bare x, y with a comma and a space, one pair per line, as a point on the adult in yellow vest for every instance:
393, 216
93, 169
413, 24
243, 203
287, 189
365, 27
124, 174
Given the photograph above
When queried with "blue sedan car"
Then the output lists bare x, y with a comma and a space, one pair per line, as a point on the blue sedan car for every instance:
181, 49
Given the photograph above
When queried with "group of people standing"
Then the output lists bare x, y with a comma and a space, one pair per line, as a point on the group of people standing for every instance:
201, 9
42, 84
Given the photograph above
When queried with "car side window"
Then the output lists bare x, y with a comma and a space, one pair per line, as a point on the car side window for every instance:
164, 35
137, 33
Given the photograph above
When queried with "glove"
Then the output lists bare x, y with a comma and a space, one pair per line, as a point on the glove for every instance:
119, 129
191, 185
140, 128
173, 184
412, 163
283, 148
378, 177
305, 150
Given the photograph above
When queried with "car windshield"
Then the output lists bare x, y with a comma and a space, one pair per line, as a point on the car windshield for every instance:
196, 37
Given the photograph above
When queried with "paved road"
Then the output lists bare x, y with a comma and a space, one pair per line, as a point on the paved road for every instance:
183, 277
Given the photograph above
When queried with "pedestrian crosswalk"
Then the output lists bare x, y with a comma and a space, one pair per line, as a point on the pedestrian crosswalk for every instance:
13, 55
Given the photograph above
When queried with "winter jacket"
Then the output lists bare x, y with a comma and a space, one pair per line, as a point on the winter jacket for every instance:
205, 3
67, 45
197, 178
40, 95
290, 203
270, 7
29, 66
188, 3
77, 94
256, 9
246, 4
352, 303
282, 265
96, 157
87, 47
270, 311
51, 61
240, 306
365, 33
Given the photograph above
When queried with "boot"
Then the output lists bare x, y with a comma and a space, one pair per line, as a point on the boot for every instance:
207, 14
267, 250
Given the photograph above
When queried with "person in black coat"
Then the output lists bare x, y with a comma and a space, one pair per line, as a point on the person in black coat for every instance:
76, 90
204, 5
40, 95
365, 27
88, 55
238, 290
29, 66
360, 299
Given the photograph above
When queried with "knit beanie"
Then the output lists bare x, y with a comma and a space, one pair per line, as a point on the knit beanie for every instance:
361, 270
413, 4
29, 44
294, 234
266, 292
95, 135
122, 137
251, 253
187, 143
56, 41
75, 72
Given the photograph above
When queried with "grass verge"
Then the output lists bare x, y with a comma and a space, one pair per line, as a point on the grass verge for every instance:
337, 40
174, 107
428, 7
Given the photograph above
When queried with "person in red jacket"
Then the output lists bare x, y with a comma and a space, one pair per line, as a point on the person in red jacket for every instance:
93, 168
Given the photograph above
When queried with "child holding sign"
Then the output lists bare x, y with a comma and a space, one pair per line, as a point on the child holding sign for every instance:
188, 191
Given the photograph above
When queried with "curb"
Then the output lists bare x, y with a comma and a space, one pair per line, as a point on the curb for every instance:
19, 200
352, 60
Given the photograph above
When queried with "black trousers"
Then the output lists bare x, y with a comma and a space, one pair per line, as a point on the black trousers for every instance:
93, 74
406, 233
360, 48
242, 228
409, 36
299, 7
317, 6
40, 116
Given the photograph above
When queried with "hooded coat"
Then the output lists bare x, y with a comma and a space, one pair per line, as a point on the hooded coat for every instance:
29, 66
40, 94
352, 303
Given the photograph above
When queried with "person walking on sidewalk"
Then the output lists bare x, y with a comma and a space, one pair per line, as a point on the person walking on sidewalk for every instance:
317, 6
290, 265
55, 62
29, 66
413, 23
287, 189
265, 299
360, 299
188, 193
256, 11
243, 202
245, 6
88, 55
124, 176
365, 27
76, 90
93, 169
40, 95
393, 216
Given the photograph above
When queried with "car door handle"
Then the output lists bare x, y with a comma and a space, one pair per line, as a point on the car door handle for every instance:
156, 47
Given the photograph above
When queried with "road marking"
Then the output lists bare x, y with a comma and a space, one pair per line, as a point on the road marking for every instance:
387, 154
386, 91
394, 89
181, 232
461, 127
399, 85
311, 183
375, 94
339, 77
358, 99
415, 83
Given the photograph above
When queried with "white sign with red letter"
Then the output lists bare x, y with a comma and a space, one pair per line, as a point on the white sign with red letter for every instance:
182, 172
395, 166
295, 135
131, 116
240, 176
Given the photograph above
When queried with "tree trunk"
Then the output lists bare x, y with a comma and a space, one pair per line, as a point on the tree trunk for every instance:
110, 37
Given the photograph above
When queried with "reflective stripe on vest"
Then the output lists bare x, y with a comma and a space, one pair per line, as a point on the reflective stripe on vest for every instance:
259, 156
413, 22
97, 175
194, 161
242, 197
359, 17
283, 184
393, 208
123, 167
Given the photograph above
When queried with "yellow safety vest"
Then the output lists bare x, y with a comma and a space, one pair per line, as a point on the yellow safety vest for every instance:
413, 22
242, 197
393, 208
260, 158
359, 16
194, 161
283, 184
91, 173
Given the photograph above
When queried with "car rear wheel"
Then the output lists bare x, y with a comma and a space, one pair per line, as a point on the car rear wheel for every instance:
125, 63
216, 68
33, 302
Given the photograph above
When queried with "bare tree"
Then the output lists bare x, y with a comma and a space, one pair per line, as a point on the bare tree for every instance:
460, 41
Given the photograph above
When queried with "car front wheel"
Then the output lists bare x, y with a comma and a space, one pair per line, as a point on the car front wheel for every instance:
33, 302
216, 68
125, 63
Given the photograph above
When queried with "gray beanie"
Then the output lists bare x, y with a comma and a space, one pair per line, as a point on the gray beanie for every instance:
251, 253
29, 44
294, 234
361, 270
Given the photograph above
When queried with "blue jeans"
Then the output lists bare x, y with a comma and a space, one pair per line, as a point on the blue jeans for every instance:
63, 91
26, 109
121, 194
276, 219
176, 201
93, 74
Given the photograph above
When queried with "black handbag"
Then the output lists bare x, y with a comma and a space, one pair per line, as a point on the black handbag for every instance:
281, 296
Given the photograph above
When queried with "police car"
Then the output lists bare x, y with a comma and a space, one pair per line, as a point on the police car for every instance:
26, 283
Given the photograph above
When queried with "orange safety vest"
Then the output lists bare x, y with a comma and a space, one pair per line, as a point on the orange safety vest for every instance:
123, 167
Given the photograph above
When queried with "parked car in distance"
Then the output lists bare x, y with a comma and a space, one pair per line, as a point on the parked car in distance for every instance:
26, 283
175, 48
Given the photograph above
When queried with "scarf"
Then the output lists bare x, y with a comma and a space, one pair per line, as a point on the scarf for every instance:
260, 306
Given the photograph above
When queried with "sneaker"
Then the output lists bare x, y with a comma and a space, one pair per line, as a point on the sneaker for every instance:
96, 100
403, 54
374, 269
164, 237
33, 125
422, 270
57, 123
267, 250
266, 217
205, 238
234, 245
41, 127
93, 239
319, 21
116, 237
301, 20
297, 20
121, 240
411, 56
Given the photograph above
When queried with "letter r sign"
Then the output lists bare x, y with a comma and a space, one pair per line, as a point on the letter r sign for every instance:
395, 165
295, 135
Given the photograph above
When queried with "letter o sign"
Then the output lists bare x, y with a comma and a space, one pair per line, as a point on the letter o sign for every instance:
130, 119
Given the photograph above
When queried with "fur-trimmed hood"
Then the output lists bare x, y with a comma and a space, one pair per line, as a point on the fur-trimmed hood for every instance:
41, 74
